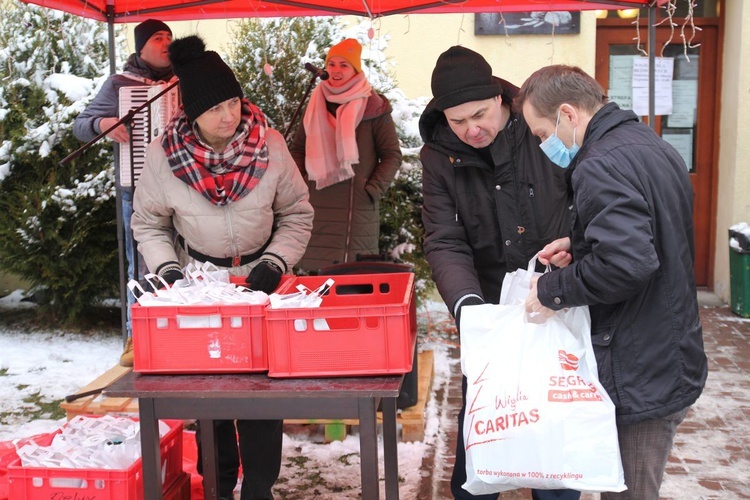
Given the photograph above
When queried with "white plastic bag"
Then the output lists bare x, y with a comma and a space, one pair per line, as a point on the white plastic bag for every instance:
516, 285
303, 298
203, 285
536, 414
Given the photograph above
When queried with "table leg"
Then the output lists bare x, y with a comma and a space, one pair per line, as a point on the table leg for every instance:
390, 448
150, 450
368, 449
209, 450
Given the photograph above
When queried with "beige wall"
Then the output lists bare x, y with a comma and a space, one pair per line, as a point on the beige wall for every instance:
417, 40
733, 193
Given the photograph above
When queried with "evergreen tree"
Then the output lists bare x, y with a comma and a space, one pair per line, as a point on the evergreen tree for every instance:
57, 222
268, 57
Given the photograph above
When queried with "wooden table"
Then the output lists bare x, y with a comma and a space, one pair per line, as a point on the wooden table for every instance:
255, 396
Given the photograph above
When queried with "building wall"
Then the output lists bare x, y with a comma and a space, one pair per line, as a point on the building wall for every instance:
733, 190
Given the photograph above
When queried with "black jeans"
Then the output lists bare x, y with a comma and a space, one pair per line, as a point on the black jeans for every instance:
259, 449
459, 468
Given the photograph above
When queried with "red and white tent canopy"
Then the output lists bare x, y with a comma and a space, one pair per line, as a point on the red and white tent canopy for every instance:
127, 11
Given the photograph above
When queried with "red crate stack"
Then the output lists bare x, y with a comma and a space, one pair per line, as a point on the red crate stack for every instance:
365, 325
41, 483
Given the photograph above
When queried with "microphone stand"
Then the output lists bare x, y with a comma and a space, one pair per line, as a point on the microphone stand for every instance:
125, 119
299, 106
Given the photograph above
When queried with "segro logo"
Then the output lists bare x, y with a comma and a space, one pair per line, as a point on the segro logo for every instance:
567, 361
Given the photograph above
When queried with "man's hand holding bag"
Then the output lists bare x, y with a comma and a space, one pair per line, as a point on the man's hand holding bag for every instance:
536, 414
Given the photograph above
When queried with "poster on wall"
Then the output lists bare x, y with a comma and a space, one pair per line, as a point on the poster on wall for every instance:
663, 71
685, 100
528, 23
621, 81
682, 141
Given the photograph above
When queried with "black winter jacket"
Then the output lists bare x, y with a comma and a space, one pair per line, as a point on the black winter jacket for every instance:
483, 220
633, 253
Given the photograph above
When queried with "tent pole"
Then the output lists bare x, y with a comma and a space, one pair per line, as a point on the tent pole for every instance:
111, 32
652, 65
122, 265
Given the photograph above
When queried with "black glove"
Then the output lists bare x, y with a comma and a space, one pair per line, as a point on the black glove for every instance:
468, 301
264, 277
169, 272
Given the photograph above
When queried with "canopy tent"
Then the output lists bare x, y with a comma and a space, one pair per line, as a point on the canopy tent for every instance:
127, 11
133, 11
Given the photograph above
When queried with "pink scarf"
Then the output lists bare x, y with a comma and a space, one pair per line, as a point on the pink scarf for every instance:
331, 147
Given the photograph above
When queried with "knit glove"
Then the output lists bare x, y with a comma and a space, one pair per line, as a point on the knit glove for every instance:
169, 272
264, 277
468, 301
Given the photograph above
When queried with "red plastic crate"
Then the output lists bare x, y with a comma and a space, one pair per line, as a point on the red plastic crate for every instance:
372, 328
200, 338
41, 483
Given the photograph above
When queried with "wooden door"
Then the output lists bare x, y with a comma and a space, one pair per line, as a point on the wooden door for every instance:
692, 126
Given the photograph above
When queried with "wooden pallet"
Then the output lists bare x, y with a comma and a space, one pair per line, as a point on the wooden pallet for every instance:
411, 419
96, 404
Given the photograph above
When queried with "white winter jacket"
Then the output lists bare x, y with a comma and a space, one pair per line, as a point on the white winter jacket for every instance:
277, 209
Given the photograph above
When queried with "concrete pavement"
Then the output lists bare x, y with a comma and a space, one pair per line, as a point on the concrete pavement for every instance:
711, 455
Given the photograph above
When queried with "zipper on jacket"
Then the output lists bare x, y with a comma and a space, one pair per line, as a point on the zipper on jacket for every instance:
511, 139
227, 215
455, 183
349, 221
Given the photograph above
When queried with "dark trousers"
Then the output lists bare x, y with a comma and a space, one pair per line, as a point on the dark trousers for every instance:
259, 450
459, 468
644, 448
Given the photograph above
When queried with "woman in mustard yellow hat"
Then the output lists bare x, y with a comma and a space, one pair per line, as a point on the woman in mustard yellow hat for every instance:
348, 151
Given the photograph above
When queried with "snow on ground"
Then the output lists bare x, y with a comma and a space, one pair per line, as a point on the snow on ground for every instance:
41, 368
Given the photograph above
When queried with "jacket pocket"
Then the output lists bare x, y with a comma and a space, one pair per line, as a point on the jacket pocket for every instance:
602, 342
373, 193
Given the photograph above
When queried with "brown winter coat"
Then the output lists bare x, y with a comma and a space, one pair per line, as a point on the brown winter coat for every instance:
347, 214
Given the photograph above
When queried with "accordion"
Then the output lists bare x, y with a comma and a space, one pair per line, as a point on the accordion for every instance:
146, 125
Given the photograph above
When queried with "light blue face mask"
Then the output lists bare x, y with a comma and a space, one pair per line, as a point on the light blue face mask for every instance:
556, 150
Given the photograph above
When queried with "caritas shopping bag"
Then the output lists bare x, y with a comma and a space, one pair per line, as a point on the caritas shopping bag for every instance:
536, 414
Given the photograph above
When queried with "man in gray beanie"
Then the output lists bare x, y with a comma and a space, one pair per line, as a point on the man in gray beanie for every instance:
148, 65
491, 199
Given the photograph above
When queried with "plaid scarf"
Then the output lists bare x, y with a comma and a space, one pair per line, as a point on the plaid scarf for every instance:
225, 176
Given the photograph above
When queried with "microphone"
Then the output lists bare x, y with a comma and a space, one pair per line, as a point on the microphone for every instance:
320, 73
